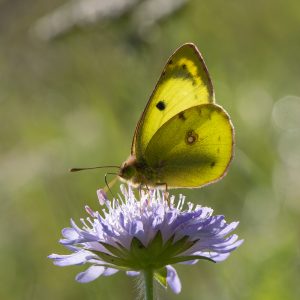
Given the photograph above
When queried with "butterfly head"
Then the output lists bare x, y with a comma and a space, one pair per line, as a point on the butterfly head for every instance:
128, 169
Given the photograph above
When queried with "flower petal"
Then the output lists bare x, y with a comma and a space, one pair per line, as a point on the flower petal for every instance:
70, 233
230, 227
216, 256
90, 274
173, 280
76, 258
132, 273
110, 271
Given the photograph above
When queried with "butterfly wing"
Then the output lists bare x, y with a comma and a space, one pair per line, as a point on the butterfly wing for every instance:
184, 83
193, 148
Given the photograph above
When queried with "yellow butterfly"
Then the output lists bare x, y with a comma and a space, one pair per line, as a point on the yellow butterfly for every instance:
183, 139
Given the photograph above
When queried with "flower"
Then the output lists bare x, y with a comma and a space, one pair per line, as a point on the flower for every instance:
152, 232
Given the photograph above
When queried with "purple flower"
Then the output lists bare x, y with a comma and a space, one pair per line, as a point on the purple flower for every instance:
135, 235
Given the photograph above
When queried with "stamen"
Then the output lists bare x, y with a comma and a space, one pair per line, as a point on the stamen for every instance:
102, 197
84, 223
89, 211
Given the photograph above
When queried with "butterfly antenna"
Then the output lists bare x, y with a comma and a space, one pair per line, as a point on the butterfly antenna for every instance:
110, 184
92, 168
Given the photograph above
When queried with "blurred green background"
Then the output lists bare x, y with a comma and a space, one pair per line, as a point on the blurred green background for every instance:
74, 79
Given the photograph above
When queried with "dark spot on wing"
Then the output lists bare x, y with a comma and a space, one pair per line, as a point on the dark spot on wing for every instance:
161, 105
212, 164
191, 137
184, 66
163, 73
181, 116
170, 62
189, 76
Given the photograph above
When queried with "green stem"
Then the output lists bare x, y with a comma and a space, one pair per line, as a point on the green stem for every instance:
148, 278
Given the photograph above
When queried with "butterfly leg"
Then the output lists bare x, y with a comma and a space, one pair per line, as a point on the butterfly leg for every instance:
141, 190
148, 191
147, 188
165, 191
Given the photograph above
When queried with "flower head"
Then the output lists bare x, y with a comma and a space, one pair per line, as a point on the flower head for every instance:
152, 232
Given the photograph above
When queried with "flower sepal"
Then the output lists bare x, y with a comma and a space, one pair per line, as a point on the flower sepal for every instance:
161, 276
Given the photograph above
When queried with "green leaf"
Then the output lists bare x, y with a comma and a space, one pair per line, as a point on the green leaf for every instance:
156, 245
178, 247
115, 251
179, 259
169, 242
139, 256
161, 276
137, 248
111, 259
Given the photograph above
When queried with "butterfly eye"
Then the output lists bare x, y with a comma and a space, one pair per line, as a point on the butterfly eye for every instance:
127, 172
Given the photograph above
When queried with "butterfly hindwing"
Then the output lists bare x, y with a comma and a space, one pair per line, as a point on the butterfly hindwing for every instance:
193, 148
184, 83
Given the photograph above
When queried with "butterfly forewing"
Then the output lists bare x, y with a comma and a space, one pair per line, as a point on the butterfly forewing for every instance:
184, 83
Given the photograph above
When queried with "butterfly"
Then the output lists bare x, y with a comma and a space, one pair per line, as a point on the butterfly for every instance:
183, 138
